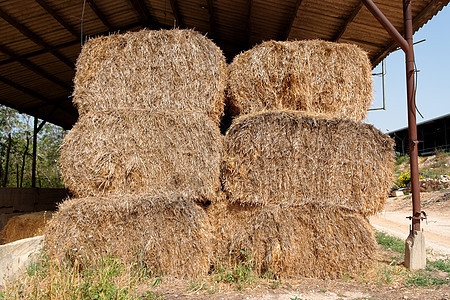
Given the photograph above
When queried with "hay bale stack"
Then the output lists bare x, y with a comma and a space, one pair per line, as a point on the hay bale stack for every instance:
293, 158
142, 151
24, 226
311, 240
169, 234
312, 76
170, 70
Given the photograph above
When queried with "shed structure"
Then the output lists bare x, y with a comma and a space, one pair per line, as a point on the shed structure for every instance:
434, 135
41, 39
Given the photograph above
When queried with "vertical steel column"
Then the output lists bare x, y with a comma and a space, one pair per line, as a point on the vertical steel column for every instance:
412, 126
33, 163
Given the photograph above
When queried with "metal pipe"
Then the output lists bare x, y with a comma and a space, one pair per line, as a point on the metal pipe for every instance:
376, 12
383, 82
412, 126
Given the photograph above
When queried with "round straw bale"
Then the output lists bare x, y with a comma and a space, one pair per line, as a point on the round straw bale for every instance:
310, 240
312, 76
292, 158
24, 226
165, 69
142, 151
168, 234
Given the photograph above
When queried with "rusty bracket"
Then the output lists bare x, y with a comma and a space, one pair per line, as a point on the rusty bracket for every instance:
419, 216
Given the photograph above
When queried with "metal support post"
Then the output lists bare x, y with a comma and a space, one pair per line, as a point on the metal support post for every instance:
415, 257
33, 163
412, 127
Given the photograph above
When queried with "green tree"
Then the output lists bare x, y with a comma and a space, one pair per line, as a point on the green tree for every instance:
16, 132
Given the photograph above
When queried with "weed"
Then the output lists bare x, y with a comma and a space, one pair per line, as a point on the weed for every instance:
401, 159
150, 295
101, 278
156, 282
241, 274
424, 280
276, 284
195, 286
390, 242
441, 264
346, 277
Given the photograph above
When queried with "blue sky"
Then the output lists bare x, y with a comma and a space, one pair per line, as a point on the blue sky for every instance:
433, 84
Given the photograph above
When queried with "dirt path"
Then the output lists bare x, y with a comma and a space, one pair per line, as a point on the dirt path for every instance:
393, 221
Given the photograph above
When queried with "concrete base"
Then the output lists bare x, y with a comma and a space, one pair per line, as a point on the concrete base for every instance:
15, 257
415, 254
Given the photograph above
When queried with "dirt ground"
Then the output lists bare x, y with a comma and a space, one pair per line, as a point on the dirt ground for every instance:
393, 221
308, 288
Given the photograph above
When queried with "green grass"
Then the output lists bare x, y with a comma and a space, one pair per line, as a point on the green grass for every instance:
441, 264
240, 275
422, 278
401, 159
425, 280
101, 278
389, 242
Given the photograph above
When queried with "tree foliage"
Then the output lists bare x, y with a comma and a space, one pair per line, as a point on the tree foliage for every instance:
16, 148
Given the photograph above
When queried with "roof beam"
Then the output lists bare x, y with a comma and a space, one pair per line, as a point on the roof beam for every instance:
34, 111
288, 28
387, 25
58, 18
350, 19
38, 52
144, 14
99, 13
212, 26
31, 93
432, 6
34, 37
65, 45
35, 68
176, 13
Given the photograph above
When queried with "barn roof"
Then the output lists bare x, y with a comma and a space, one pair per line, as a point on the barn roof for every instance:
41, 39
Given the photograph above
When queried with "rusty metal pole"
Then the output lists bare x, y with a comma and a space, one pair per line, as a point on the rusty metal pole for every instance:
415, 255
412, 127
406, 44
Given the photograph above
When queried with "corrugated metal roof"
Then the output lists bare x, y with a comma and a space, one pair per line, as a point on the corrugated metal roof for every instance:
41, 38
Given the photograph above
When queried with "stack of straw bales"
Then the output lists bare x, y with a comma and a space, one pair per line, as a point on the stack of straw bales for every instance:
145, 150
149, 104
300, 172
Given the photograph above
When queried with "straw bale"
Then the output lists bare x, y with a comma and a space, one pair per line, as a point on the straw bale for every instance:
165, 69
24, 226
292, 158
312, 76
310, 240
142, 151
168, 234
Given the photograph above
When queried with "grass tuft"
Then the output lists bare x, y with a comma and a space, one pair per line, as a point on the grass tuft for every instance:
441, 264
389, 242
100, 278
